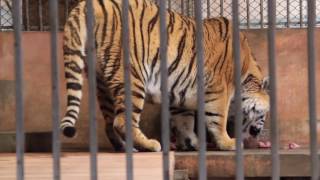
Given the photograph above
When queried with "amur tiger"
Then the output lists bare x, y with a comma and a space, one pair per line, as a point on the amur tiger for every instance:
145, 69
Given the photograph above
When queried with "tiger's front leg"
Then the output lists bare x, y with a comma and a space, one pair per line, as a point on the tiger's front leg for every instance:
216, 112
140, 141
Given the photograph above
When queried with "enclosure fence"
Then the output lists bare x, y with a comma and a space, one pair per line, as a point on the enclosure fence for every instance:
253, 14
274, 21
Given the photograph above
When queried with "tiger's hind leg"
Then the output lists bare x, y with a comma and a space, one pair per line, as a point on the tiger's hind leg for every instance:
141, 142
107, 108
184, 124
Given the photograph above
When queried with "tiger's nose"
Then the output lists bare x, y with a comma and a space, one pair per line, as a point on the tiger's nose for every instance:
254, 131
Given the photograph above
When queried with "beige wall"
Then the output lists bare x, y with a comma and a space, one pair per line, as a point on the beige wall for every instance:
291, 73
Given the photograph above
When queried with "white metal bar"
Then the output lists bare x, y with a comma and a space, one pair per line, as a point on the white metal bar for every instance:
200, 92
55, 89
237, 81
273, 94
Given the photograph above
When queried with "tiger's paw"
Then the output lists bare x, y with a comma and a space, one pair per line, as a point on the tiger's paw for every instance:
149, 145
227, 144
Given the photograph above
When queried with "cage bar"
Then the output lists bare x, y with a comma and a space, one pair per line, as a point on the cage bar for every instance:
55, 89
300, 13
27, 26
208, 8
19, 86
248, 13
288, 13
40, 15
91, 61
237, 96
221, 8
202, 171
312, 90
261, 14
165, 123
273, 87
127, 85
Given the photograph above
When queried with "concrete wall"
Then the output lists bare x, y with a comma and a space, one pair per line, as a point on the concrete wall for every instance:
291, 72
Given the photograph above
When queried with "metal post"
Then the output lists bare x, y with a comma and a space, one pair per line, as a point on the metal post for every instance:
261, 14
66, 9
127, 84
300, 10
237, 81
182, 6
208, 8
288, 13
91, 61
273, 95
165, 133
248, 14
221, 8
40, 15
20, 137
312, 90
27, 15
200, 92
55, 89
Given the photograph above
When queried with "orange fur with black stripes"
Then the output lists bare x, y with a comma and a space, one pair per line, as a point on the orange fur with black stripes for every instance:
145, 68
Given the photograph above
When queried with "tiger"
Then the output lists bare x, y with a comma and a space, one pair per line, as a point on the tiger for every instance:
145, 72
184, 125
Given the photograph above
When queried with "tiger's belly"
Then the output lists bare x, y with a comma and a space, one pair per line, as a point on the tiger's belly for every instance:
180, 97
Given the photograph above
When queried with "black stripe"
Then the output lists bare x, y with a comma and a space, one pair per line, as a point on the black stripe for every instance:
74, 86
69, 75
213, 114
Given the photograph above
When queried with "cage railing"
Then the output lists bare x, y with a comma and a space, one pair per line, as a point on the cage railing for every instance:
17, 26
252, 13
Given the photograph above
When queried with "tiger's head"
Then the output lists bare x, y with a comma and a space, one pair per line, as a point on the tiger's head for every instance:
255, 105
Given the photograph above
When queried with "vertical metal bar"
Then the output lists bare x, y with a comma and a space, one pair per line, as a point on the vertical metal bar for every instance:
91, 59
66, 9
261, 14
312, 90
40, 15
273, 94
208, 8
188, 8
237, 81
202, 171
221, 8
248, 14
27, 15
165, 124
288, 13
55, 89
182, 7
169, 4
17, 25
300, 10
127, 85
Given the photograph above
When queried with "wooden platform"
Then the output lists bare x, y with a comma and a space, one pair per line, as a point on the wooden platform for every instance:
148, 166
75, 166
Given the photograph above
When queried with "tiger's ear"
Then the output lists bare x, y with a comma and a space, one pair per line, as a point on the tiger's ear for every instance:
265, 83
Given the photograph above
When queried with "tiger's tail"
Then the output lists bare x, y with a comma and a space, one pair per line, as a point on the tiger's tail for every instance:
74, 53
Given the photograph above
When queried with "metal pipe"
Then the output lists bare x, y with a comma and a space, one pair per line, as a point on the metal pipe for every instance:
248, 14
55, 89
40, 16
273, 94
27, 15
300, 10
202, 171
208, 8
288, 13
221, 8
19, 87
127, 84
91, 61
261, 14
312, 90
237, 97
165, 123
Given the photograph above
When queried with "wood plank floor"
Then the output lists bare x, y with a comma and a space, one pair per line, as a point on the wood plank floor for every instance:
75, 166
